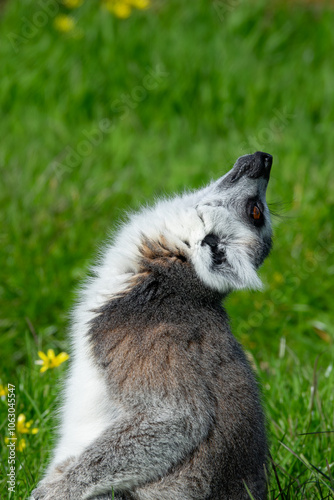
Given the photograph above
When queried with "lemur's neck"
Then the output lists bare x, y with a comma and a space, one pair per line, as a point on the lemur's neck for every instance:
164, 295
167, 272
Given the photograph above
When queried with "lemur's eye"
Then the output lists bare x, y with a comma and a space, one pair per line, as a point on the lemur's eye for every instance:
255, 211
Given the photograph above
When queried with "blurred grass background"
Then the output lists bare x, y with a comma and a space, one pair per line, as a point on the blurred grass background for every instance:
107, 114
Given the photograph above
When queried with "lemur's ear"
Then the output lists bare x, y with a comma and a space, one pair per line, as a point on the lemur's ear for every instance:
217, 249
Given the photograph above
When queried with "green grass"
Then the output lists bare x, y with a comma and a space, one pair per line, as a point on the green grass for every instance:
230, 78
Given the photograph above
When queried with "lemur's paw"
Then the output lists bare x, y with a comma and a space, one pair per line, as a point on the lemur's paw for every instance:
53, 490
47, 487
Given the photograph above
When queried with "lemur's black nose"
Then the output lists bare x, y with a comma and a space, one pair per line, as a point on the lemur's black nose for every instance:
253, 166
262, 165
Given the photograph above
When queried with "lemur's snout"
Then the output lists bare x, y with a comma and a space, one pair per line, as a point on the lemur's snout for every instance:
254, 166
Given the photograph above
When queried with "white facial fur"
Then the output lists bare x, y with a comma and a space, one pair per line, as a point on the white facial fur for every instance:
223, 212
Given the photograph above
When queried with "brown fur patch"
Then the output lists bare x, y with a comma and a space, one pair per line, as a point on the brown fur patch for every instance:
162, 250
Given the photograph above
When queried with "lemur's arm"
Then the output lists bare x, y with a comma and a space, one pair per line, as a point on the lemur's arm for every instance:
128, 454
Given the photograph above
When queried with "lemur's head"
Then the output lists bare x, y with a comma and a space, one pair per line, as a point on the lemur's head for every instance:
237, 225
223, 230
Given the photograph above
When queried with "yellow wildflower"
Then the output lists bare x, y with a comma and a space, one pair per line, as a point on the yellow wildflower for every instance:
50, 360
120, 8
3, 391
21, 444
139, 4
123, 8
64, 23
72, 4
22, 427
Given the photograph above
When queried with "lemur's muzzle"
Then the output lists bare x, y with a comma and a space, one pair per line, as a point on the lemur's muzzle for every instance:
255, 166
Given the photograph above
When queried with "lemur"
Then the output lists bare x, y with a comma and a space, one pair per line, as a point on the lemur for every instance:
160, 401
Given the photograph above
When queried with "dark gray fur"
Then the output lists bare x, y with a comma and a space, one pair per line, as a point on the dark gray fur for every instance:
215, 439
